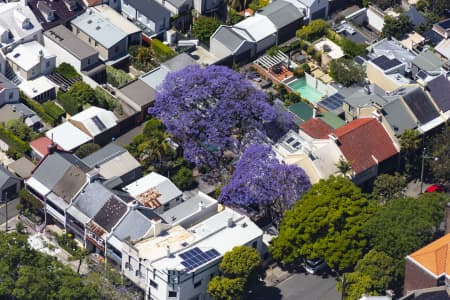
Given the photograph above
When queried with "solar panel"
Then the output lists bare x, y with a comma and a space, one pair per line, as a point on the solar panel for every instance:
98, 123
196, 257
386, 63
332, 102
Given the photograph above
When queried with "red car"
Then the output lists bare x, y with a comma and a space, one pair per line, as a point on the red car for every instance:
435, 188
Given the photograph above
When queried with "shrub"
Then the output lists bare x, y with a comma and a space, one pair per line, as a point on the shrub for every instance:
70, 104
314, 30
67, 243
68, 71
53, 110
86, 149
17, 147
117, 77
162, 51
105, 100
29, 201
183, 179
39, 109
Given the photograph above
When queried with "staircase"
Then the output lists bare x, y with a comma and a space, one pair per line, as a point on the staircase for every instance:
9, 73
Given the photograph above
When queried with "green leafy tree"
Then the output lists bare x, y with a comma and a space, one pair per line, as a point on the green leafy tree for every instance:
387, 187
86, 149
439, 146
314, 30
142, 58
346, 71
383, 4
204, 27
234, 16
21, 130
183, 178
117, 77
327, 222
373, 275
404, 225
239, 267
83, 93
223, 288
409, 141
240, 262
396, 26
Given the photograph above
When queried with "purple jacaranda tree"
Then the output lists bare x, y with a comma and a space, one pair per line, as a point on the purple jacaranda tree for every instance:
261, 180
210, 111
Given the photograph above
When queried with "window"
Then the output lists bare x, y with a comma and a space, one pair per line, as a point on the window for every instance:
197, 284
172, 294
78, 31
47, 64
11, 95
166, 206
153, 284
116, 49
255, 244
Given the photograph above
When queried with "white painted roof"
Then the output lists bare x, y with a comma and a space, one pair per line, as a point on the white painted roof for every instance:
93, 117
163, 185
255, 28
336, 51
67, 136
11, 15
37, 186
116, 19
213, 233
37, 86
26, 56
443, 48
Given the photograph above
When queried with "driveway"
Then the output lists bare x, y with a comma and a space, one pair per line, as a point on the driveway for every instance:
12, 211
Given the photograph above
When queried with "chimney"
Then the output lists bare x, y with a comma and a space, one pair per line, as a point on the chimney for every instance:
201, 205
157, 226
230, 222
51, 148
333, 137
168, 251
447, 218
315, 111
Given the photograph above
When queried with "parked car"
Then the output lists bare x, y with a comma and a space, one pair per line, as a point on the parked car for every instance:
315, 266
436, 188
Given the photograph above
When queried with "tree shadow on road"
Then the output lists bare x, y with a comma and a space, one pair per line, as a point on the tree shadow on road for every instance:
265, 293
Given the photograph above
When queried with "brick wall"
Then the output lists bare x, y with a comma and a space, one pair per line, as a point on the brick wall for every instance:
416, 278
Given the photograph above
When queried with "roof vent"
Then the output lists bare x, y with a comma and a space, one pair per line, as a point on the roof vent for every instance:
98, 27
230, 222
89, 21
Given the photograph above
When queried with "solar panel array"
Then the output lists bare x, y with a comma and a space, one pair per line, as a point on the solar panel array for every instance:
195, 257
332, 102
386, 63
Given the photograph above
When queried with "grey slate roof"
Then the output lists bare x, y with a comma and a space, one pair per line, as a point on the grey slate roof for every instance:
139, 92
439, 89
135, 225
149, 8
70, 42
92, 199
187, 208
103, 155
51, 170
397, 115
427, 61
111, 212
420, 105
281, 13
359, 99
179, 62
415, 17
230, 39
5, 175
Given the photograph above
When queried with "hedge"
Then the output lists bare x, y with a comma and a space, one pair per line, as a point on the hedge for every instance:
105, 100
53, 110
116, 77
68, 71
38, 109
162, 51
17, 147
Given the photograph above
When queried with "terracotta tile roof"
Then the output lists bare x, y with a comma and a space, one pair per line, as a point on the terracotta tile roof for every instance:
434, 257
364, 142
316, 128
94, 2
40, 145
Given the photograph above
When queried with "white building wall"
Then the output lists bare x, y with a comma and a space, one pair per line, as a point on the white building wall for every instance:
375, 20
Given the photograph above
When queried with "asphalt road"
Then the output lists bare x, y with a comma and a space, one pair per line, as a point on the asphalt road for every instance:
308, 287
12, 211
300, 287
